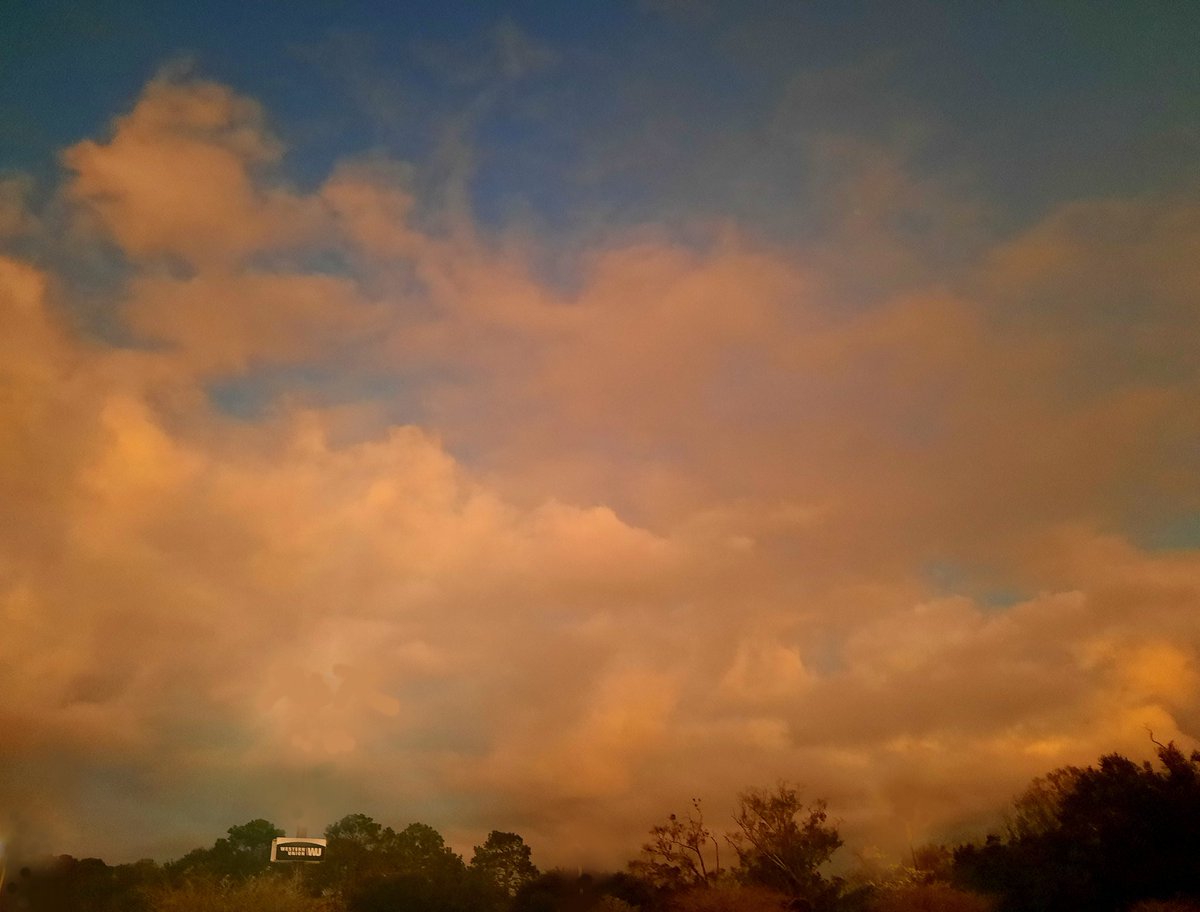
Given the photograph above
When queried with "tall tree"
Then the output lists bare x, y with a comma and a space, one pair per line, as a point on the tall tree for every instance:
505, 861
359, 830
420, 849
358, 849
681, 853
782, 843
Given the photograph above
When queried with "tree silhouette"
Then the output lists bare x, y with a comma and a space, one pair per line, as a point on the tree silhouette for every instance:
358, 849
681, 853
504, 860
420, 849
245, 850
781, 843
1100, 838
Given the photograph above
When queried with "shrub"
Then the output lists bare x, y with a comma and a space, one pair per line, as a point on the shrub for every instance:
264, 893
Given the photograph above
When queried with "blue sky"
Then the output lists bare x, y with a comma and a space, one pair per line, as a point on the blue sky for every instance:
1031, 103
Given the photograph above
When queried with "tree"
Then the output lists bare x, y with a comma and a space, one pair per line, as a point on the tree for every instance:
678, 854
359, 830
248, 846
358, 849
1100, 838
245, 850
1039, 808
505, 861
420, 849
781, 843
375, 868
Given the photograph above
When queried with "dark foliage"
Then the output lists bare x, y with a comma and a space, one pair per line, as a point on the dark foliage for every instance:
1101, 838
681, 853
1117, 837
244, 851
374, 867
416, 892
562, 891
781, 844
70, 884
505, 862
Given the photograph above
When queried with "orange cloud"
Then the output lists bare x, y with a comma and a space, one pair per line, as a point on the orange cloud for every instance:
665, 534
179, 177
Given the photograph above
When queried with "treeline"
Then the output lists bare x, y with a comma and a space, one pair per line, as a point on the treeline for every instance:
368, 868
1116, 837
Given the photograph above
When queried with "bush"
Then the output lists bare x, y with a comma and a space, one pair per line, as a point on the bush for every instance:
265, 893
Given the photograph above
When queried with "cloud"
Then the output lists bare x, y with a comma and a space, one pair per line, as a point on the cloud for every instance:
659, 532
177, 178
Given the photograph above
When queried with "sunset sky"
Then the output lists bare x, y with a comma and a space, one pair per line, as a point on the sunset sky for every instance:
532, 416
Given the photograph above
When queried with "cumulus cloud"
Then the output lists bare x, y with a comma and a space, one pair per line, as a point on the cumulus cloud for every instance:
669, 532
177, 177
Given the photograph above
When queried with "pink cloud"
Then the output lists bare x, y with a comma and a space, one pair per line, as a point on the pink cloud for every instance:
659, 536
182, 176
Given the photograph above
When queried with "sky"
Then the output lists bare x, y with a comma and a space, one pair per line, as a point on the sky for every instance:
532, 416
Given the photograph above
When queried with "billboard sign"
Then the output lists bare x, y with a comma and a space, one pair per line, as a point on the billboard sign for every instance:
297, 848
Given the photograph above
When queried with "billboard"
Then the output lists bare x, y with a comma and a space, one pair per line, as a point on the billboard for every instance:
297, 848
